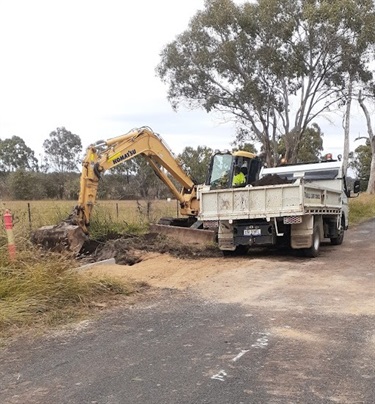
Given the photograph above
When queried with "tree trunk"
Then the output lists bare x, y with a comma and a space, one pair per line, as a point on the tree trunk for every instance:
268, 153
347, 126
371, 182
291, 147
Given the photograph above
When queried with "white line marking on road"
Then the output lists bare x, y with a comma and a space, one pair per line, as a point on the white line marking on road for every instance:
242, 353
261, 342
220, 375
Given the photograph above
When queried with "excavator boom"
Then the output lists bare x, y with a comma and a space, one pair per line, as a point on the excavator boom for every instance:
103, 156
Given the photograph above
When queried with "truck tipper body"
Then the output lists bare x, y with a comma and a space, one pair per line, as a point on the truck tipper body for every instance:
308, 203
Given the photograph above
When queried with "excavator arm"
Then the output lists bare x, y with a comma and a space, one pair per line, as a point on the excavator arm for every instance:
105, 155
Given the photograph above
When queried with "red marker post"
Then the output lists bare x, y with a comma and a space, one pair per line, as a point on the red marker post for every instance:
8, 222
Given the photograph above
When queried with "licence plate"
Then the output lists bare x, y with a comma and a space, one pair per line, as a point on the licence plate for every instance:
252, 232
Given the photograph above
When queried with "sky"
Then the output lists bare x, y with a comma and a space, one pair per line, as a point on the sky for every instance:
89, 65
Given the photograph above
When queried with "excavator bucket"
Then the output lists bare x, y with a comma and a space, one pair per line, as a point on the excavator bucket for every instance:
185, 230
62, 237
186, 235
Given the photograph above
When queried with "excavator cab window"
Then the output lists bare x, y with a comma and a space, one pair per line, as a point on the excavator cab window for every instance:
220, 171
254, 169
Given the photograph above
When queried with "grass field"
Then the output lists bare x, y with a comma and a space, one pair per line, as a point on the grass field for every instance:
124, 216
109, 215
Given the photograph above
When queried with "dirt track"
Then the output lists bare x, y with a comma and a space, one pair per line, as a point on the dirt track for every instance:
341, 280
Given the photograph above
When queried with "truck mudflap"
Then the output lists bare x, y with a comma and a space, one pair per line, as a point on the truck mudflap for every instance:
301, 233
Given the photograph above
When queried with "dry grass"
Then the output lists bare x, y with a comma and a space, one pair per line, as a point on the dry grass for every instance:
34, 214
127, 215
40, 289
361, 208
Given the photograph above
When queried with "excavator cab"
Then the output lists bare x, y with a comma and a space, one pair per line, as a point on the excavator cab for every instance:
223, 167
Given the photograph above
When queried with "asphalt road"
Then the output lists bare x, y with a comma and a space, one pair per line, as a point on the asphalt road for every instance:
182, 347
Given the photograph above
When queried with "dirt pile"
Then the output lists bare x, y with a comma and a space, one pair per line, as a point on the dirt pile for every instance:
130, 249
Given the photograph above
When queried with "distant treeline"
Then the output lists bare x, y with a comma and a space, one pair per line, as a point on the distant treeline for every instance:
29, 185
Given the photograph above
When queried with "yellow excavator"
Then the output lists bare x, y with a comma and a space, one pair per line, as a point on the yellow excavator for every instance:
104, 155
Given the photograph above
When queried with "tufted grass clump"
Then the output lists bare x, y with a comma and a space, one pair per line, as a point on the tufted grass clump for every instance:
44, 289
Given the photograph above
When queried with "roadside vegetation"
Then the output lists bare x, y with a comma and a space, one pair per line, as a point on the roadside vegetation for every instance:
361, 208
43, 289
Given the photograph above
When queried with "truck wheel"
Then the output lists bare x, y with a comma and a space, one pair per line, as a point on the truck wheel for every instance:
313, 251
228, 253
240, 250
340, 237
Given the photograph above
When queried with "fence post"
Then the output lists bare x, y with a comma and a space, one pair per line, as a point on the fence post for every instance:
29, 212
8, 221
148, 210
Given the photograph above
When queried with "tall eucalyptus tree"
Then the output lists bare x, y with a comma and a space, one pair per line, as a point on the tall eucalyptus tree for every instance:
273, 65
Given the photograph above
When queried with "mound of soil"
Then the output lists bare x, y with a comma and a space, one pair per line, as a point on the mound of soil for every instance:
129, 249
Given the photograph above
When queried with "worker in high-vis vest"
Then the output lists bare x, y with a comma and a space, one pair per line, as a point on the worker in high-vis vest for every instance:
239, 179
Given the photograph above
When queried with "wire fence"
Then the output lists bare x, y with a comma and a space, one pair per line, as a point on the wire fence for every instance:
30, 215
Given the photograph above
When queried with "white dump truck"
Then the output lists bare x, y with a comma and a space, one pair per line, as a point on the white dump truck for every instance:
296, 206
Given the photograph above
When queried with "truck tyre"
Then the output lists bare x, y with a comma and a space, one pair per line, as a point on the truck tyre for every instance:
228, 253
313, 251
240, 250
340, 237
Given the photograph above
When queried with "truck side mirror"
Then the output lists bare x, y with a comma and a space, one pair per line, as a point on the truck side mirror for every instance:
356, 186
356, 189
